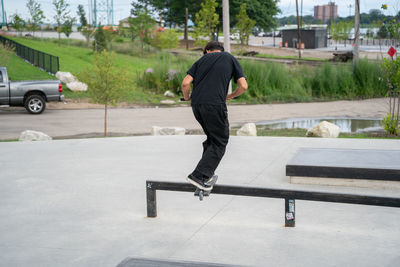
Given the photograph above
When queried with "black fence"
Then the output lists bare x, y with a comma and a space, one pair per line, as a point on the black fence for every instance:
37, 58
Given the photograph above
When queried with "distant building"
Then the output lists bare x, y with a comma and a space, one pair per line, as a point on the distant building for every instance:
312, 37
326, 12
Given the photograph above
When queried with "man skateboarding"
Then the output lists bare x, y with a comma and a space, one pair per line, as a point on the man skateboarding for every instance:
210, 76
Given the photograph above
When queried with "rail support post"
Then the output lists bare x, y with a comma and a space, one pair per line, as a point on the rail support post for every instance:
290, 219
151, 200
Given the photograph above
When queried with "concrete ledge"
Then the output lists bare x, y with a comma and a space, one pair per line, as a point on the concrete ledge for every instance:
139, 262
365, 164
375, 184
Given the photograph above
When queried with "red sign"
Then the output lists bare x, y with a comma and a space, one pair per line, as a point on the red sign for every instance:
392, 51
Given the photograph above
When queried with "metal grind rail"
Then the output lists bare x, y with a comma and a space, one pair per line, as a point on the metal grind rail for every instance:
290, 196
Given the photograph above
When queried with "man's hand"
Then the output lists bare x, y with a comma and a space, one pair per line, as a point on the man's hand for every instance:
242, 87
186, 87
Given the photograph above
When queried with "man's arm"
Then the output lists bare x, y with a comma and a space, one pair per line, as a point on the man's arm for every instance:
186, 87
242, 87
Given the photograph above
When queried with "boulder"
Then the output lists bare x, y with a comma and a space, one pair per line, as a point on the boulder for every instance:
65, 77
169, 94
168, 102
30, 135
156, 130
324, 129
77, 86
249, 129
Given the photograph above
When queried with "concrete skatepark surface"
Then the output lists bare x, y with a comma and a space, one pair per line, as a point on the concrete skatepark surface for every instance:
82, 202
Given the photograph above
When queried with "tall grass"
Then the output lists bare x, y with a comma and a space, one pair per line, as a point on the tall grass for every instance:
167, 74
270, 82
274, 82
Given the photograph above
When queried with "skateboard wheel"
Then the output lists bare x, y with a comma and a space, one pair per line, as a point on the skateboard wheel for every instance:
201, 195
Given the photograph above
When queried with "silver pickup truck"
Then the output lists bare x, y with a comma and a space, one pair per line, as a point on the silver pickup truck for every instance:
32, 95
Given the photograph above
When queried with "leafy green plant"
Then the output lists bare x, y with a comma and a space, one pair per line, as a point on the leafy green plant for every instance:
165, 40
107, 84
206, 22
244, 25
391, 124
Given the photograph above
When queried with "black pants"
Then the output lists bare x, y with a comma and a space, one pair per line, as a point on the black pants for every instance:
214, 121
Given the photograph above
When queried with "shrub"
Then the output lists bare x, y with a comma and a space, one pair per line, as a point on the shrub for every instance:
165, 40
162, 77
390, 124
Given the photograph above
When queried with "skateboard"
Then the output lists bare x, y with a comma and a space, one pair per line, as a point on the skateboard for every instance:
203, 193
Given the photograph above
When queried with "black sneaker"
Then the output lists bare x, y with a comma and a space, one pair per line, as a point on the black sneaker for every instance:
199, 183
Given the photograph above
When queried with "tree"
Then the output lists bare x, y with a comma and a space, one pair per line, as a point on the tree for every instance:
110, 34
383, 32
107, 84
244, 25
141, 26
87, 31
341, 30
375, 15
100, 41
36, 14
165, 40
82, 16
17, 23
262, 11
141, 5
60, 6
206, 22
66, 27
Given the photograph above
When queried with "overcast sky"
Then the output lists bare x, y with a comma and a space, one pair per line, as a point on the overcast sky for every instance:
288, 7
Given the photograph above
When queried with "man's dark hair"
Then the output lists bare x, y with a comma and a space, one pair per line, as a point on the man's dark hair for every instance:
213, 45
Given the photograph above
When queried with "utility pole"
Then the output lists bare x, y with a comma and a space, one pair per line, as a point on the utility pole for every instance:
298, 29
3, 17
225, 22
186, 28
356, 33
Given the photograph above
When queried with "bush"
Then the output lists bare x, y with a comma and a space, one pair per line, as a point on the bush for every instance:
390, 124
162, 77
165, 40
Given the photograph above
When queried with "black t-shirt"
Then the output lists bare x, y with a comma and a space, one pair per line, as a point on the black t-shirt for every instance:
211, 75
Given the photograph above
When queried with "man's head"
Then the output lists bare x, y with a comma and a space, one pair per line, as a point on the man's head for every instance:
213, 46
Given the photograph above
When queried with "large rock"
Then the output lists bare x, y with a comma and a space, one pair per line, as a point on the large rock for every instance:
156, 130
30, 135
324, 129
169, 94
77, 86
249, 129
65, 77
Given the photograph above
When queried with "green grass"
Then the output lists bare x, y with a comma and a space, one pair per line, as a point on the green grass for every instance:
77, 59
297, 132
19, 70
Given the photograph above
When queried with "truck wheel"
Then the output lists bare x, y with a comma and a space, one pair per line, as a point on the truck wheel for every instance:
35, 104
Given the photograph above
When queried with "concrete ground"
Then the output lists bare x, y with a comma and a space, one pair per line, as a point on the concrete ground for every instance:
82, 203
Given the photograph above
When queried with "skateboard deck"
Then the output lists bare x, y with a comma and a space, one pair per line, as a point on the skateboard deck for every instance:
203, 193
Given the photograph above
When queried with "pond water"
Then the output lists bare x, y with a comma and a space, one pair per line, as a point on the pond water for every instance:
346, 125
